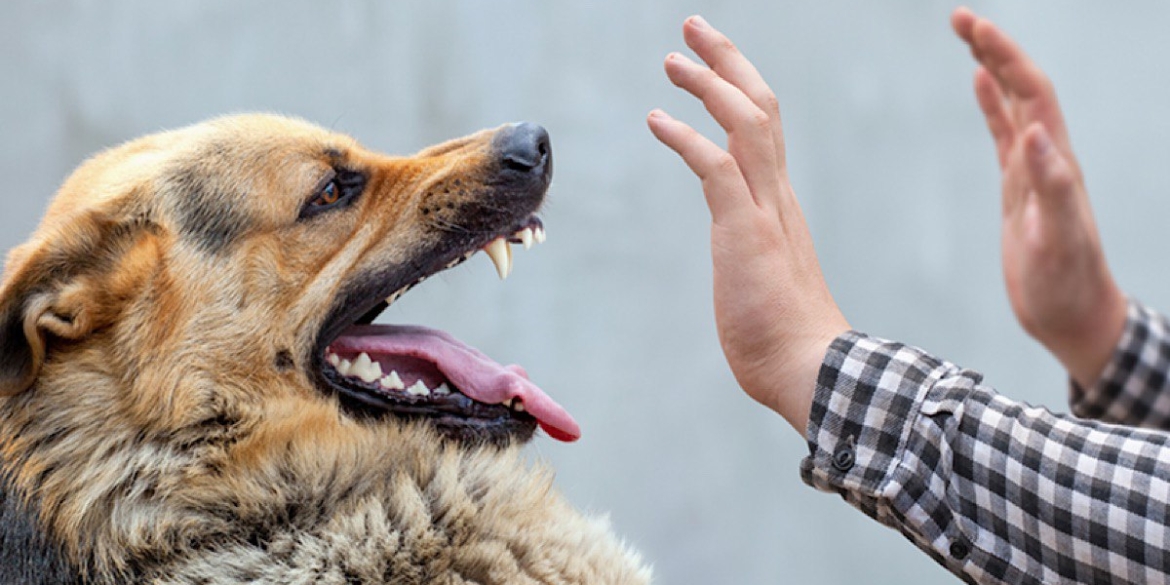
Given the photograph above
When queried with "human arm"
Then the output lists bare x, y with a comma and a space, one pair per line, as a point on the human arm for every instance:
773, 311
994, 490
1117, 351
1057, 278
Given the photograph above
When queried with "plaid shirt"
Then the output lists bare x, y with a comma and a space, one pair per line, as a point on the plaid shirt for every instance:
995, 490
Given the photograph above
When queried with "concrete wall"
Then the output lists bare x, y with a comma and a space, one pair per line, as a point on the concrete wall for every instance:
613, 315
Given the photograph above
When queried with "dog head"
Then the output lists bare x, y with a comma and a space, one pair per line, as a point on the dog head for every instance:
195, 305
246, 250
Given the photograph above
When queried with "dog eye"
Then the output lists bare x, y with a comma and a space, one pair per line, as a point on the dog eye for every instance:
328, 196
340, 190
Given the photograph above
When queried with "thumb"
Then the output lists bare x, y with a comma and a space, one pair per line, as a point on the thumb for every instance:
1051, 175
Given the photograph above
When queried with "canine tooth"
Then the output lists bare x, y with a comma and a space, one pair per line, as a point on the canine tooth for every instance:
419, 389
333, 359
539, 235
344, 367
501, 254
507, 403
518, 406
442, 390
394, 296
392, 382
526, 238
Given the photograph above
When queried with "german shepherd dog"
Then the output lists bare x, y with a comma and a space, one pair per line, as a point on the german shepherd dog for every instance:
191, 390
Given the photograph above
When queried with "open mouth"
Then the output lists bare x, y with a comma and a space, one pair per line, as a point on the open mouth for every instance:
415, 371
420, 373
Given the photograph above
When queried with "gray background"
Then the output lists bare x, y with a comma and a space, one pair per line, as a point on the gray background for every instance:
613, 315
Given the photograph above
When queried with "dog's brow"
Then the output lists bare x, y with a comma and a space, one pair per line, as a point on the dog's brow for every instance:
334, 153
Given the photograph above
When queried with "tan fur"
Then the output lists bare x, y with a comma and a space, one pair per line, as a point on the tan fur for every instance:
155, 437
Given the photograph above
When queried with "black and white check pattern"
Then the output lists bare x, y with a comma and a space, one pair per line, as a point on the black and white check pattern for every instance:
995, 490
1133, 388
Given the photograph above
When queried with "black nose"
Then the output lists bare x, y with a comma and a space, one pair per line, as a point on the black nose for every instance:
524, 147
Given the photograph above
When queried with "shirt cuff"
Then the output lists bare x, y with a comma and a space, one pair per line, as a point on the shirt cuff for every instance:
869, 392
1131, 389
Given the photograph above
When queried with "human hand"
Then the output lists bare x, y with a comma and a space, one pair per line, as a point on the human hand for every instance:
1057, 279
775, 315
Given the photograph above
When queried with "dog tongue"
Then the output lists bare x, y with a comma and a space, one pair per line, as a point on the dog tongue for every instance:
472, 372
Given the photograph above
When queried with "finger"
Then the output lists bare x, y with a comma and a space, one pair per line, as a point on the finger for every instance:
999, 122
963, 23
1003, 57
749, 137
719, 53
726, 192
1021, 80
1052, 177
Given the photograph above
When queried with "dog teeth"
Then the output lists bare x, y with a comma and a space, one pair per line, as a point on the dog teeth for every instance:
366, 369
370, 371
394, 297
538, 235
507, 403
419, 389
526, 237
392, 381
518, 406
501, 255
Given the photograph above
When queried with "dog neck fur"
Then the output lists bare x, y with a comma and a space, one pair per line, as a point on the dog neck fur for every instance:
130, 508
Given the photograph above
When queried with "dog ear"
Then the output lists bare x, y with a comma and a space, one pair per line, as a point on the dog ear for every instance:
22, 346
64, 285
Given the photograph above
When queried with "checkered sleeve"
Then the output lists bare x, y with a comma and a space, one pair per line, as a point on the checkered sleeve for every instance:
994, 490
1133, 388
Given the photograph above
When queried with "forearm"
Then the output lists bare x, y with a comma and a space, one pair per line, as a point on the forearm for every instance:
996, 491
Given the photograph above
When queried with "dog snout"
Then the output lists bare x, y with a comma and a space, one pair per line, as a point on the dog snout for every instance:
524, 148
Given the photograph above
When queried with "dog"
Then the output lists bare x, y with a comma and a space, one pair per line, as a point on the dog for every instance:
191, 389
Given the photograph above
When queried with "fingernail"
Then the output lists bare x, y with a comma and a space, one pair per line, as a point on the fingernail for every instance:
699, 22
659, 115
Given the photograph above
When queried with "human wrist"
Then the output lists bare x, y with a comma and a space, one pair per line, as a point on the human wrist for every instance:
791, 394
1085, 353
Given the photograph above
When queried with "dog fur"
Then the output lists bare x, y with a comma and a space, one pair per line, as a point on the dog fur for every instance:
160, 419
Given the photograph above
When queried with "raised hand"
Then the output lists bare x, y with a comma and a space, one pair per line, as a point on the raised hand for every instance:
774, 313
1057, 279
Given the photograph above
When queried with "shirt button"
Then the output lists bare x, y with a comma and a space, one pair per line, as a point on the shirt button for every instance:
843, 458
959, 550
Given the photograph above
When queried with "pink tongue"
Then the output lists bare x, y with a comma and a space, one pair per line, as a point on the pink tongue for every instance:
472, 372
